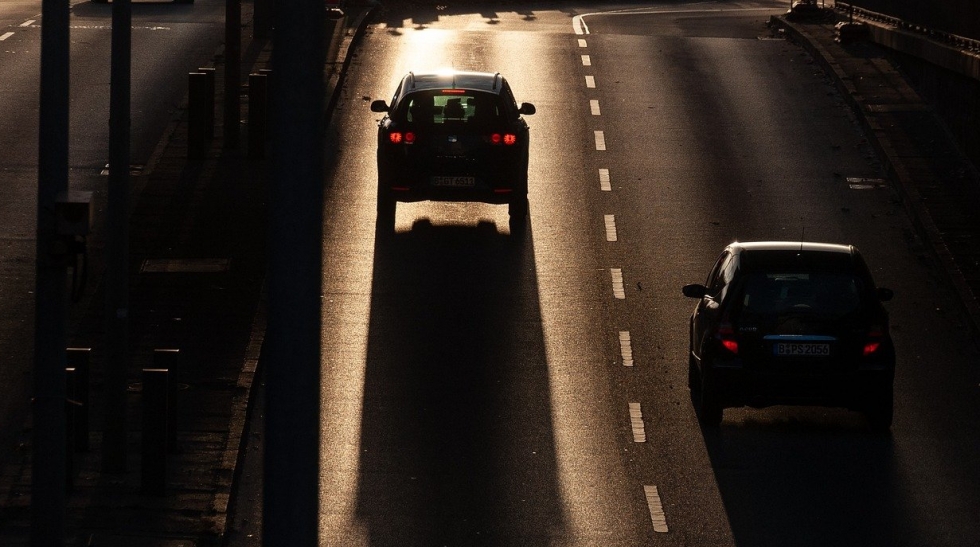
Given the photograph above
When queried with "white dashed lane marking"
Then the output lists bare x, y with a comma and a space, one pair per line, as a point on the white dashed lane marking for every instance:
626, 348
581, 43
656, 509
610, 221
619, 290
600, 140
636, 423
594, 106
604, 182
586, 60
5, 36
590, 82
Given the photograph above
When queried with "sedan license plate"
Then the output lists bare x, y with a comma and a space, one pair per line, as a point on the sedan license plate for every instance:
801, 349
455, 182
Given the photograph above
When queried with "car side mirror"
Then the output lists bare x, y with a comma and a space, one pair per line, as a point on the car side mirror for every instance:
695, 291
379, 105
885, 294
527, 109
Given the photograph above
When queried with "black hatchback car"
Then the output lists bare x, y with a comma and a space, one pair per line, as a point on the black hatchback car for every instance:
453, 136
790, 323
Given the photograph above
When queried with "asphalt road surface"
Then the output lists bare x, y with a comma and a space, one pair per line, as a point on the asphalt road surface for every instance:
483, 388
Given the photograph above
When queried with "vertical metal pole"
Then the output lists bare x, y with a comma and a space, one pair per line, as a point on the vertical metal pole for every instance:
291, 472
48, 498
117, 243
233, 72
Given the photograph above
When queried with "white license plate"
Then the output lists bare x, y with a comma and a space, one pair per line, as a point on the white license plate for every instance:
457, 182
801, 349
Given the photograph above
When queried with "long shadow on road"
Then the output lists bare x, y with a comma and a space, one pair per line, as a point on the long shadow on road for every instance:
457, 441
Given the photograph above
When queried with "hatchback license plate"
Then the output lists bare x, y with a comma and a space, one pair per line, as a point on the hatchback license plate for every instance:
801, 349
457, 182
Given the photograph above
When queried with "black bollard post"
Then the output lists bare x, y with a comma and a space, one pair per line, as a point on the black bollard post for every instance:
197, 115
70, 418
78, 359
210, 73
169, 359
258, 97
153, 478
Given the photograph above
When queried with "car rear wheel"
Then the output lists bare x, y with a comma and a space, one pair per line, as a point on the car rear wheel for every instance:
518, 210
387, 207
709, 407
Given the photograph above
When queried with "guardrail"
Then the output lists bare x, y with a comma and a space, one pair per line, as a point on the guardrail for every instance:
947, 38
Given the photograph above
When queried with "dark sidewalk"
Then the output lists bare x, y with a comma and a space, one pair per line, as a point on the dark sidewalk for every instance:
198, 264
198, 268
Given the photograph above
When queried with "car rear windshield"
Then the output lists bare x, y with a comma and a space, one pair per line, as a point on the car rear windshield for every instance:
822, 295
452, 106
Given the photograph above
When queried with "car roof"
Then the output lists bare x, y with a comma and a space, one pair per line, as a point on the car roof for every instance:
800, 246
770, 255
490, 82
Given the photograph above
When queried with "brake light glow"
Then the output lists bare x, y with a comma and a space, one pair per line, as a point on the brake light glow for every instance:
397, 137
507, 139
874, 341
726, 334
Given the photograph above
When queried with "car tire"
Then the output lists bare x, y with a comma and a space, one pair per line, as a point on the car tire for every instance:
709, 410
881, 410
519, 210
387, 207
693, 377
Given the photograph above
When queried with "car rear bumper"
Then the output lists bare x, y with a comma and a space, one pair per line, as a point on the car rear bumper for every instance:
855, 389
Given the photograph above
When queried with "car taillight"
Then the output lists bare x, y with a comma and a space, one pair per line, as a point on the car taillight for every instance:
873, 343
507, 139
397, 137
726, 335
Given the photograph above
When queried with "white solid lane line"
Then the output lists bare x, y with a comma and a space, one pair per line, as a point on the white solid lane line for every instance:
594, 106
590, 82
600, 140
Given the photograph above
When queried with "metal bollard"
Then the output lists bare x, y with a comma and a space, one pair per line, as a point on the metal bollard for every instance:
78, 390
153, 477
210, 72
258, 97
169, 359
197, 115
